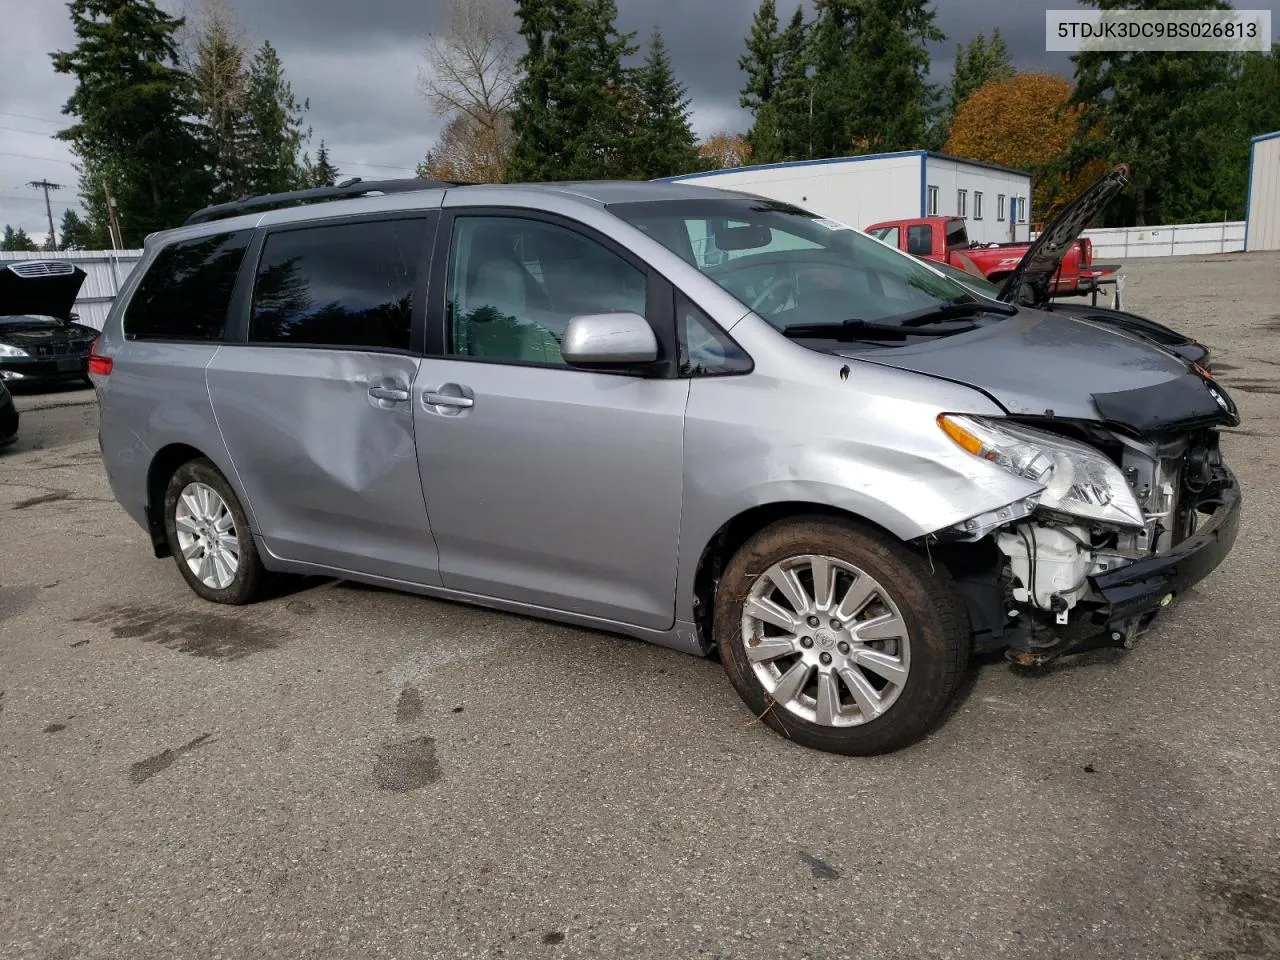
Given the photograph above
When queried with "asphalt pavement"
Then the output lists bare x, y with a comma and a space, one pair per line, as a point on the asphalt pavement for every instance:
348, 772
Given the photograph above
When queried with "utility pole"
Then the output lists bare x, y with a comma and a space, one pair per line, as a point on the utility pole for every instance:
117, 241
46, 186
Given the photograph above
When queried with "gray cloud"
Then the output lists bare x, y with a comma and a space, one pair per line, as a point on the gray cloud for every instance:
358, 63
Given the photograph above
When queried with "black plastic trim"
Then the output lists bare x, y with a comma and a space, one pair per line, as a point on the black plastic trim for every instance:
1141, 586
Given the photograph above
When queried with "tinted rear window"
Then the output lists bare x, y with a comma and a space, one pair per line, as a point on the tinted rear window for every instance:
346, 284
186, 292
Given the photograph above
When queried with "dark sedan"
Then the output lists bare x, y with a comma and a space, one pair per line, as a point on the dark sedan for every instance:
39, 338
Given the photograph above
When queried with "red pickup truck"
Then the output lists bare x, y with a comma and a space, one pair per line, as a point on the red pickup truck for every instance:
945, 240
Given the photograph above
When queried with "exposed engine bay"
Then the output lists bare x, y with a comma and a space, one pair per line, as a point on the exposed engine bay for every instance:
1066, 582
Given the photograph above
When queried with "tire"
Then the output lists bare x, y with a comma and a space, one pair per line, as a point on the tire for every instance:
920, 636
195, 546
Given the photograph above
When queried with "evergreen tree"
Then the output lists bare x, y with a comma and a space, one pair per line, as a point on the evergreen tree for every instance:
893, 98
275, 125
217, 65
664, 142
977, 62
760, 62
1161, 112
831, 39
871, 62
132, 106
321, 173
574, 107
75, 234
16, 240
793, 98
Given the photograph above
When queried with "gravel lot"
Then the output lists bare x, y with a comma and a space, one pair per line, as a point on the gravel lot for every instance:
345, 772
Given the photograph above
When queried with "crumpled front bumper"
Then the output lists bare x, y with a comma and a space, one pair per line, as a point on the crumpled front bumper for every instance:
1121, 602
1146, 585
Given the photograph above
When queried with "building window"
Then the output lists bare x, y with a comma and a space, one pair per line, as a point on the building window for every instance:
1022, 209
933, 202
962, 203
977, 204
1000, 207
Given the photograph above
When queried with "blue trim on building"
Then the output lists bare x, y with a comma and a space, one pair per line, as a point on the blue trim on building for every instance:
924, 183
1264, 136
789, 163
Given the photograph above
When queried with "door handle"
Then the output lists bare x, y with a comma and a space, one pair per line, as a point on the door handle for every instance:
446, 400
389, 393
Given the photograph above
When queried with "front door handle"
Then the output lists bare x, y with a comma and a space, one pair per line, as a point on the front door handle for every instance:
446, 400
394, 394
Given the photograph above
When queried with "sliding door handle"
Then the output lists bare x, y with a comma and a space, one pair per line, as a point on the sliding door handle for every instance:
446, 400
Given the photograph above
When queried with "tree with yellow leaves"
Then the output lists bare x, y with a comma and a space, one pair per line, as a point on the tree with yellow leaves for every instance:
1026, 122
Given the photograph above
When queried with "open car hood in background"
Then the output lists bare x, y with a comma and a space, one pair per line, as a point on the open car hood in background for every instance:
41, 288
1030, 281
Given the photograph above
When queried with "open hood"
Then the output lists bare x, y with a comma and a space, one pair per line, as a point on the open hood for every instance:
1030, 281
45, 288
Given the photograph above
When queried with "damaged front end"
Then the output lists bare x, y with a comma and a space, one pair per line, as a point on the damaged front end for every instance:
1126, 520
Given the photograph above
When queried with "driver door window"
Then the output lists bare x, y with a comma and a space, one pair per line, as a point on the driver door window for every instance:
514, 285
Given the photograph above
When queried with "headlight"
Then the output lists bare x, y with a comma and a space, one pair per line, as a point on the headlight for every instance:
1078, 480
7, 351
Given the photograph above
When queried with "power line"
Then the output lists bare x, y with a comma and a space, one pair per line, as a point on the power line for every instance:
27, 116
27, 156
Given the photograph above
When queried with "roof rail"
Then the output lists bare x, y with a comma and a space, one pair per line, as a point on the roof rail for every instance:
354, 187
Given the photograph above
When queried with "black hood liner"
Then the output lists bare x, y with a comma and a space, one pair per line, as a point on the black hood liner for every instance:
1185, 403
44, 288
1031, 280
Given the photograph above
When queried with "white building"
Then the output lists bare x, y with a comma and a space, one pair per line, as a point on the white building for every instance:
995, 201
1262, 211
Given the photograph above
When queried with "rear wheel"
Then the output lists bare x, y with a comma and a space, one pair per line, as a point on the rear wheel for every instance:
209, 535
838, 636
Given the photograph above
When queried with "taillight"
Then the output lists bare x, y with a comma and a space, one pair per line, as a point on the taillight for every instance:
98, 363
1088, 250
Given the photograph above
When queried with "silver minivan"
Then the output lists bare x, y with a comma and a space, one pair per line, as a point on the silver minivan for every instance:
700, 418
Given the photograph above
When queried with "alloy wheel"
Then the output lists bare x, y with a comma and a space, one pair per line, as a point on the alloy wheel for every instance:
207, 535
825, 640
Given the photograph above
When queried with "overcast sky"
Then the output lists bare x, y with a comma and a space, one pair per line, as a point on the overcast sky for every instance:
358, 62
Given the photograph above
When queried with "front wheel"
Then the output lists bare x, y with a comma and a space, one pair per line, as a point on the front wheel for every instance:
839, 636
210, 537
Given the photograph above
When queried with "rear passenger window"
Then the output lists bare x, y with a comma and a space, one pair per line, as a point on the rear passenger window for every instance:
186, 292
344, 285
920, 239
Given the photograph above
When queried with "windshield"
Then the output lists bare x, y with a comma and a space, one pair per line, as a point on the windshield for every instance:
793, 267
978, 284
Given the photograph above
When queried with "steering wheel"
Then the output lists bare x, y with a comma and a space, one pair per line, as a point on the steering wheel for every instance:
772, 291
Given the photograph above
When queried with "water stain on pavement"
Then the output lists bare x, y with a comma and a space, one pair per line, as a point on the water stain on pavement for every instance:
1241, 909
144, 770
821, 869
209, 635
408, 705
401, 767
13, 600
553, 937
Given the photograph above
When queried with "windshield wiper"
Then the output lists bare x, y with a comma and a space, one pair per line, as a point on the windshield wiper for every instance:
850, 329
950, 311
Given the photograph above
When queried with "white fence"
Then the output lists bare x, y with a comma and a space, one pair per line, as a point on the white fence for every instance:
105, 273
1182, 239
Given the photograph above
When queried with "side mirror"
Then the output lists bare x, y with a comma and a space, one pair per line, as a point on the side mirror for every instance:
609, 340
